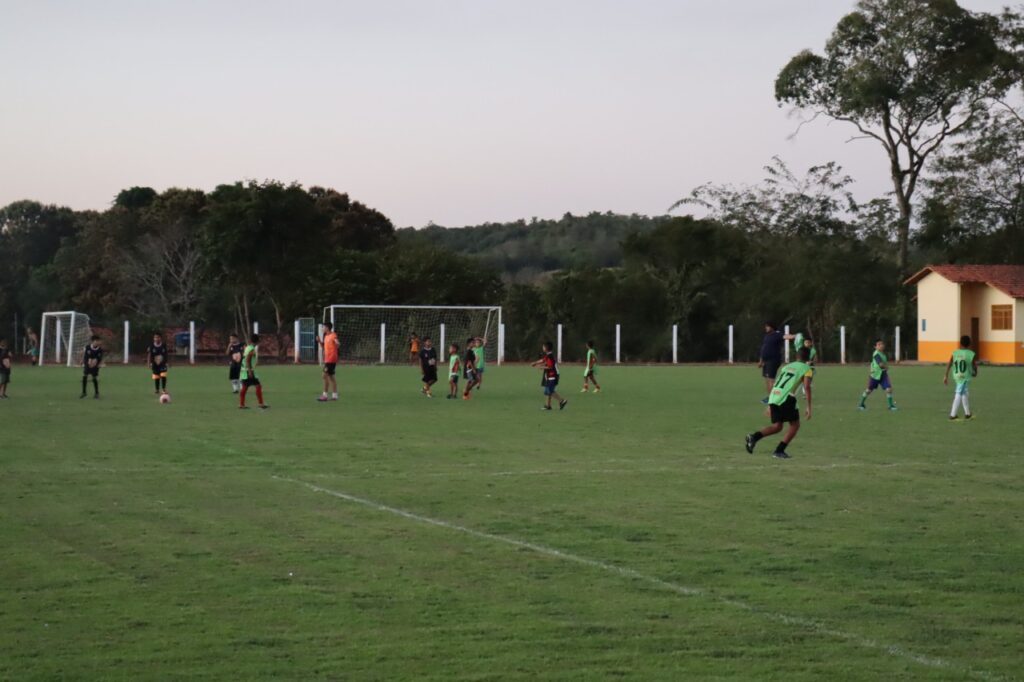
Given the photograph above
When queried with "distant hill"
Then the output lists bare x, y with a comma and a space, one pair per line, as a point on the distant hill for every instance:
523, 251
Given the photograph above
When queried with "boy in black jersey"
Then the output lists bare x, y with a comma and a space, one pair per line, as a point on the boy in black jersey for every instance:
92, 356
5, 368
158, 363
235, 348
469, 367
428, 363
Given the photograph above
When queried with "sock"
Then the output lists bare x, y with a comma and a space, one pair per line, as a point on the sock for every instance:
781, 447
84, 383
956, 405
245, 389
863, 397
324, 394
163, 383
156, 385
890, 399
967, 405
756, 436
335, 394
95, 386
259, 394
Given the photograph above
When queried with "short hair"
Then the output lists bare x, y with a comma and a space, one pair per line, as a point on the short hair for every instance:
94, 338
808, 338
771, 324
803, 354
232, 335
965, 341
590, 344
455, 346
328, 325
470, 340
878, 341
427, 338
255, 338
547, 345
158, 334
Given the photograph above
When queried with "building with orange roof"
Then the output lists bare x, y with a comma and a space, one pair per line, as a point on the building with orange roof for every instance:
983, 301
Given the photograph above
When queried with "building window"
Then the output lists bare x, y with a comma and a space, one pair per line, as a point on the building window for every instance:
924, 325
1002, 317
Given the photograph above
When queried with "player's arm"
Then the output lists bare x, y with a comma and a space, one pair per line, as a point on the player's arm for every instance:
974, 366
949, 365
537, 363
807, 390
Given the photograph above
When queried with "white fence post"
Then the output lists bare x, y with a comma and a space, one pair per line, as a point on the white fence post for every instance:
444, 348
618, 343
320, 346
559, 356
192, 343
296, 336
786, 344
898, 353
501, 343
675, 344
58, 339
842, 344
127, 336
731, 344
255, 327
71, 338
383, 341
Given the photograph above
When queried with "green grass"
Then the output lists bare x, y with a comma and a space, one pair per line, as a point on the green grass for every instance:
150, 542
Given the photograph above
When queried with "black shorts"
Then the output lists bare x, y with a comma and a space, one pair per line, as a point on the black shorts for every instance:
251, 381
470, 375
158, 371
330, 368
91, 371
786, 412
234, 371
430, 375
770, 369
5, 376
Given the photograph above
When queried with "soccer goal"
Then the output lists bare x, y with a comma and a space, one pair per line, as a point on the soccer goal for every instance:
61, 336
382, 334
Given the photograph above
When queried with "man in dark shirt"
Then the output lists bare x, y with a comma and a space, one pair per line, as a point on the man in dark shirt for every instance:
771, 356
92, 356
428, 363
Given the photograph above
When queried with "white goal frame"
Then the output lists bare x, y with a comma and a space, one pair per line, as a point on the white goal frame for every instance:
77, 320
334, 312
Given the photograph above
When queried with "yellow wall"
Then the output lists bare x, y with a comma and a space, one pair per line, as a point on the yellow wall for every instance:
986, 297
948, 308
938, 304
936, 351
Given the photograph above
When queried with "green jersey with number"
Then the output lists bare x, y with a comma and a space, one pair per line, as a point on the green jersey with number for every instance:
478, 351
249, 358
963, 365
591, 362
789, 378
879, 364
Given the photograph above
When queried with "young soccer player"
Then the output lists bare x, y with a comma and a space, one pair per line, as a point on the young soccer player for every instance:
469, 367
771, 356
478, 351
250, 358
92, 356
428, 363
235, 348
414, 348
878, 376
549, 376
801, 341
590, 371
5, 368
158, 363
782, 404
453, 371
331, 345
964, 363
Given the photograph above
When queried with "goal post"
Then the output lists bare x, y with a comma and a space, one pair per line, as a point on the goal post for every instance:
61, 335
380, 334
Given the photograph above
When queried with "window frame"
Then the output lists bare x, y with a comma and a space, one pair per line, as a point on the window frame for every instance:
1002, 317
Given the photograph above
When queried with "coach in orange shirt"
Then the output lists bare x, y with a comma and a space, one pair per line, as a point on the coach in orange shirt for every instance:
330, 344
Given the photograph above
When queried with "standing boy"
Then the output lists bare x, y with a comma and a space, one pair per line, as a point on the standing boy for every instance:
469, 367
549, 376
771, 356
5, 368
331, 345
414, 347
158, 363
250, 357
235, 348
453, 371
590, 371
964, 363
92, 356
428, 363
878, 375
782, 404
478, 352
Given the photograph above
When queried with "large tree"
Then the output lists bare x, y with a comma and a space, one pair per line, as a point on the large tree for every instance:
908, 74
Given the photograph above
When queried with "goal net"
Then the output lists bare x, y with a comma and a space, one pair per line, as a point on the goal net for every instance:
62, 336
382, 334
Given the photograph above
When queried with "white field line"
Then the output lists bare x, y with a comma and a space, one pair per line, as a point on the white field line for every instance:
895, 650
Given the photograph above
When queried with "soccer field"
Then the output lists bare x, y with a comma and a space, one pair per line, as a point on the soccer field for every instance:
391, 537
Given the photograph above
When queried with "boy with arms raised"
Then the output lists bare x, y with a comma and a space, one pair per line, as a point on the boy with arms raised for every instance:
590, 371
453, 371
92, 356
549, 376
782, 404
964, 363
331, 345
250, 357
158, 363
428, 363
878, 375
235, 348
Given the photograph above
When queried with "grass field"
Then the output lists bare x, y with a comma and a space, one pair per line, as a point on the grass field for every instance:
391, 537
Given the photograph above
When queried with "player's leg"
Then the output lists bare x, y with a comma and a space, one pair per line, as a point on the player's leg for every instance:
85, 383
887, 385
241, 394
96, 384
156, 381
593, 380
259, 394
163, 382
780, 449
954, 411
872, 384
965, 401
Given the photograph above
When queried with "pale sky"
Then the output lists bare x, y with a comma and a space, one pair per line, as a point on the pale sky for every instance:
452, 111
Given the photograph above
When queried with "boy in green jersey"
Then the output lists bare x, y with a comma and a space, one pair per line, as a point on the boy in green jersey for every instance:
478, 351
250, 357
878, 376
964, 364
782, 403
453, 371
590, 371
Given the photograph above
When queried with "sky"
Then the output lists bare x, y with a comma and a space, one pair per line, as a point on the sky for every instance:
454, 112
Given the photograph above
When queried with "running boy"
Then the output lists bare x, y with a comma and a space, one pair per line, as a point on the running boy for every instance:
878, 376
250, 357
428, 363
92, 356
549, 376
469, 367
782, 404
158, 363
453, 371
964, 363
5, 368
331, 345
235, 348
590, 371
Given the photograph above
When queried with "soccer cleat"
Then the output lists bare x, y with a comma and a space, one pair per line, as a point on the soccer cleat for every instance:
95, 397
264, 407
583, 390
597, 390
429, 394
423, 391
243, 407
893, 408
764, 401
562, 404
750, 444
780, 455
969, 417
862, 407
546, 408
82, 396
465, 396
954, 418
321, 399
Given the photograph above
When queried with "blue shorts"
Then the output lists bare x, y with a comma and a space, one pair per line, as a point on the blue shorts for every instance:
961, 388
884, 382
550, 385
